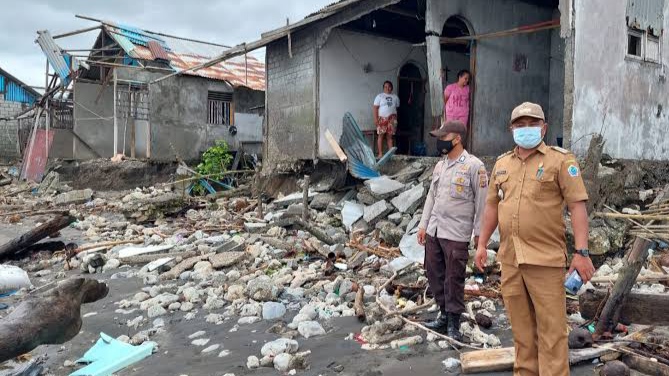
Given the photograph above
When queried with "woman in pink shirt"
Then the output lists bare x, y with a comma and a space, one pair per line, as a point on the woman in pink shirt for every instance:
456, 99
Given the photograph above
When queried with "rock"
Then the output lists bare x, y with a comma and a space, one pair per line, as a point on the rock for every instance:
191, 294
410, 200
293, 294
282, 362
74, 197
226, 259
351, 213
197, 334
580, 338
645, 195
213, 303
604, 271
310, 329
357, 260
395, 218
365, 197
255, 228
410, 341
202, 270
200, 342
185, 307
390, 233
151, 279
234, 292
383, 187
293, 199
489, 306
211, 348
273, 311
321, 201
252, 362
599, 243
223, 354
280, 346
493, 341
155, 311
277, 232
111, 264
248, 320
251, 309
262, 289
267, 361
376, 212
451, 365
174, 306
615, 368
483, 321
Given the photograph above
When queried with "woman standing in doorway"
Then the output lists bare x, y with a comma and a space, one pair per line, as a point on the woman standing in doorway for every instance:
385, 116
456, 99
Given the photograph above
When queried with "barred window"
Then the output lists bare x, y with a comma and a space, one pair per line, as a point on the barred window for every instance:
220, 108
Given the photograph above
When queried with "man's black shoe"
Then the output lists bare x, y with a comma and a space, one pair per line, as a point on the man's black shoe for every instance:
440, 325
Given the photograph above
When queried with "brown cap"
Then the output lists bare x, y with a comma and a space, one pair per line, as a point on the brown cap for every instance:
451, 126
527, 109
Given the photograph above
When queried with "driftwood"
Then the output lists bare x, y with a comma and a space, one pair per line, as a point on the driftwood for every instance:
645, 365
306, 226
610, 315
33, 236
359, 304
49, 318
86, 247
145, 259
643, 309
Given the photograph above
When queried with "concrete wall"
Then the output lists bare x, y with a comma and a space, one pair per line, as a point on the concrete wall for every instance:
555, 111
345, 87
291, 132
9, 129
624, 99
509, 70
177, 121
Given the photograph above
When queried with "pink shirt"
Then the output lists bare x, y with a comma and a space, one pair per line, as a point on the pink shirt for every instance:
457, 107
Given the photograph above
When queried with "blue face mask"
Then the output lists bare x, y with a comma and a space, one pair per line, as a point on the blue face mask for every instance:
527, 137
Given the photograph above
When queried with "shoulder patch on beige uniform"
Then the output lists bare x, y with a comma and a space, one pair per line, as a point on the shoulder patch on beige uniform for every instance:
505, 154
559, 149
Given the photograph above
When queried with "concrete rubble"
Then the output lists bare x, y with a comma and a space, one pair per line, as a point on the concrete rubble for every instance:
216, 263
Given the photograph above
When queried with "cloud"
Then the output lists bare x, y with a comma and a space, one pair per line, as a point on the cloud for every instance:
228, 22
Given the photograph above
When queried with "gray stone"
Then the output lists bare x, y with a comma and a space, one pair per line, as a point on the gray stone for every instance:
409, 173
451, 365
234, 292
345, 287
252, 362
251, 309
200, 341
293, 198
409, 201
310, 329
155, 311
273, 310
186, 307
383, 187
248, 320
282, 362
390, 233
357, 260
226, 259
365, 197
321, 201
211, 348
74, 197
255, 228
111, 264
395, 218
599, 243
262, 289
174, 306
191, 294
351, 213
376, 212
280, 346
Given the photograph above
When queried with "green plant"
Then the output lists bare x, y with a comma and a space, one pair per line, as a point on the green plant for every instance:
215, 161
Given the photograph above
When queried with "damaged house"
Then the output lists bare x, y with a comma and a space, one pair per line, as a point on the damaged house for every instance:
116, 109
595, 66
15, 98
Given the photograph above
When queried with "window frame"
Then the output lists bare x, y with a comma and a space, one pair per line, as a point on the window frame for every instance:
659, 49
642, 38
227, 108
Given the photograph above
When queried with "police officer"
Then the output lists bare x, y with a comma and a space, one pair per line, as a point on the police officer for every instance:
452, 212
529, 188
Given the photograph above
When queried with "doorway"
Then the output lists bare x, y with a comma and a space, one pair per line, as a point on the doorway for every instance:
458, 55
411, 113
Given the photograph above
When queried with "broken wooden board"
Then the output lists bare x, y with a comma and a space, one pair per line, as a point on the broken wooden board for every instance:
644, 309
645, 365
335, 146
500, 360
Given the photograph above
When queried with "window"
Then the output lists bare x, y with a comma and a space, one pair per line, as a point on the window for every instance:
220, 108
653, 49
634, 43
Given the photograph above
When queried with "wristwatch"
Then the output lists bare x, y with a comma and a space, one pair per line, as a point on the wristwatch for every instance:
583, 252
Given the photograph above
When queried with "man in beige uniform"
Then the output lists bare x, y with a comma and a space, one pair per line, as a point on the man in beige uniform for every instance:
452, 212
529, 188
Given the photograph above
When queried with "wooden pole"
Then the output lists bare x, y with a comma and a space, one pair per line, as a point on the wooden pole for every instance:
33, 236
610, 315
305, 198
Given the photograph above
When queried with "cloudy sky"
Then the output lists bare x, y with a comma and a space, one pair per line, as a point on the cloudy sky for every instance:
228, 22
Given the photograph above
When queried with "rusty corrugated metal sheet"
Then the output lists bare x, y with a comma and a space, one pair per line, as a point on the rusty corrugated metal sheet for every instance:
646, 15
61, 62
157, 51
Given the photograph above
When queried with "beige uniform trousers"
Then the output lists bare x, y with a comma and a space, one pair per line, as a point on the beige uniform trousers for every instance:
535, 300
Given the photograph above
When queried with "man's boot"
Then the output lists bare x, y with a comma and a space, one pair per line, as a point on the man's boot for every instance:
453, 330
439, 325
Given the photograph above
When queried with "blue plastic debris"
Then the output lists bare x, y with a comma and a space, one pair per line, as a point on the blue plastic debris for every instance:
361, 161
109, 355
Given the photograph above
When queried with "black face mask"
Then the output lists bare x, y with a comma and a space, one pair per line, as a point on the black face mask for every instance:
445, 147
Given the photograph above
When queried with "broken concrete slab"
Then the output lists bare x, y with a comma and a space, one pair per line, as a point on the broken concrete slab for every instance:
74, 197
351, 213
365, 197
223, 260
411, 249
136, 251
322, 200
50, 183
409, 173
409, 201
255, 228
384, 187
232, 245
293, 199
376, 212
159, 264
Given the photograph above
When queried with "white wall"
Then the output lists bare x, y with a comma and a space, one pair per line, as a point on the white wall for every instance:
615, 95
345, 87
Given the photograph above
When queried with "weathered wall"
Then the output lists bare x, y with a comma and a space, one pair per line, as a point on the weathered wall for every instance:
345, 87
9, 129
291, 99
624, 99
509, 70
178, 118
554, 112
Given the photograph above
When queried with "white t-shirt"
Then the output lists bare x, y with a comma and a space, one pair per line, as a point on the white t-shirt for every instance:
388, 104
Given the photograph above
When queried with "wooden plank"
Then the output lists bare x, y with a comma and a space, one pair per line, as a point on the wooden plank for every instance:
335, 146
645, 365
643, 309
36, 234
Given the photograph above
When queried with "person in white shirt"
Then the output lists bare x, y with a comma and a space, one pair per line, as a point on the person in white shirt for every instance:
385, 116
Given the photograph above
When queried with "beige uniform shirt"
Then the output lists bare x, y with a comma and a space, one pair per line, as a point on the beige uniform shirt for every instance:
530, 196
454, 205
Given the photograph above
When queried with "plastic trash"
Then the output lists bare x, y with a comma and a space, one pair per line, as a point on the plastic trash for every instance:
12, 279
411, 249
109, 355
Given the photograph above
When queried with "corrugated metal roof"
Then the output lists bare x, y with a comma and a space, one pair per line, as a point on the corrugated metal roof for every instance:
158, 51
15, 90
646, 15
240, 71
61, 62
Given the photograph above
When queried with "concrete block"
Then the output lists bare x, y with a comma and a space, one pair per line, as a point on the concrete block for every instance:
293, 199
376, 212
383, 187
410, 200
74, 197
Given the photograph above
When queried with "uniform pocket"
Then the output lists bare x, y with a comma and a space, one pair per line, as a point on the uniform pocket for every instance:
545, 187
501, 186
461, 187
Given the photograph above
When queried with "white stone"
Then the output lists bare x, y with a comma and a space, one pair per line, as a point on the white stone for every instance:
200, 342
223, 354
451, 365
408, 201
280, 346
248, 320
251, 309
252, 362
310, 329
155, 311
111, 264
234, 292
374, 213
383, 187
191, 294
282, 362
197, 334
188, 306
211, 348
273, 310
